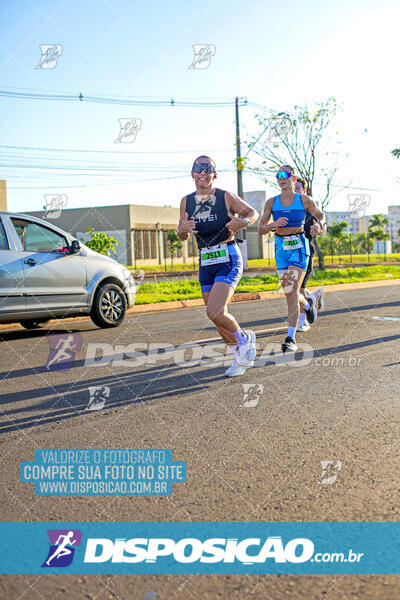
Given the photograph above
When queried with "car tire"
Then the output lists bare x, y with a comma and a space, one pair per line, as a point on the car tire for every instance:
33, 323
109, 306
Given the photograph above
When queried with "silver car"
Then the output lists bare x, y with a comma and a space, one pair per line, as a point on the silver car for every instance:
46, 273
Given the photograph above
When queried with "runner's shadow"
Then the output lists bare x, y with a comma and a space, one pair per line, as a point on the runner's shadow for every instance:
125, 389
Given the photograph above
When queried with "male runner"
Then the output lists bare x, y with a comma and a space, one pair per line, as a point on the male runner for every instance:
311, 229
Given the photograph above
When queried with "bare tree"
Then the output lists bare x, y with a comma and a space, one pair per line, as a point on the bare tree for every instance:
297, 138
302, 139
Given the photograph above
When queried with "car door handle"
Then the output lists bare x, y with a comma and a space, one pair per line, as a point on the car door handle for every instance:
30, 261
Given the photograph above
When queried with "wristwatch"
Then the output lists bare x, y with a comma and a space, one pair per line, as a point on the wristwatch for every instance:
247, 221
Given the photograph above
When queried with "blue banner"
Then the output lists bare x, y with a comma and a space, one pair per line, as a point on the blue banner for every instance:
207, 548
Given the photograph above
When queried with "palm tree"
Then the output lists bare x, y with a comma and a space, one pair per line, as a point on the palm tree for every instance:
362, 241
377, 222
376, 227
336, 232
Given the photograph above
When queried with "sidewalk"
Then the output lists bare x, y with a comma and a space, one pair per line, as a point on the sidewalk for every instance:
239, 297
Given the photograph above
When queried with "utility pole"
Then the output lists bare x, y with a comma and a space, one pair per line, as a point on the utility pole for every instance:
239, 166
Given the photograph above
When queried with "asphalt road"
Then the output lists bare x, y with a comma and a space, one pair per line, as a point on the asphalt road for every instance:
339, 401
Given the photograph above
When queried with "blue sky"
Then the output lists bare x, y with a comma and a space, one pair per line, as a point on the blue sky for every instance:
275, 55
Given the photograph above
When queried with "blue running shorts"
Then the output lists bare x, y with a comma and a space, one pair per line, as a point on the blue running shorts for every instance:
229, 272
296, 258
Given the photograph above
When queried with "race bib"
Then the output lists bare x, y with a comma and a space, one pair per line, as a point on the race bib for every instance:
292, 242
214, 255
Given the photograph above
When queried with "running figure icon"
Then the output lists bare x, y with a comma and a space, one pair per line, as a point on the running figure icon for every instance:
62, 351
64, 347
62, 549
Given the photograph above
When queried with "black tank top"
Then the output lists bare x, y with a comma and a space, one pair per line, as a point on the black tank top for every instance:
210, 216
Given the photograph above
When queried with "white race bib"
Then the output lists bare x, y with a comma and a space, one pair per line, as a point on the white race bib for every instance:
292, 242
214, 255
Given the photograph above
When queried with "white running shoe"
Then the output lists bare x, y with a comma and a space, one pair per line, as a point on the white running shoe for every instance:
247, 351
304, 327
236, 369
318, 295
321, 301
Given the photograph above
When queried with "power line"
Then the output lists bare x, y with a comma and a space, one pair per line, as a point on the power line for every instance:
109, 151
122, 100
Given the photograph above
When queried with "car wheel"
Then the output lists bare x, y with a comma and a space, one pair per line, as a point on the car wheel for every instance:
109, 306
33, 323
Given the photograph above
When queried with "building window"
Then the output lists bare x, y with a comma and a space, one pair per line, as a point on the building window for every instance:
138, 245
145, 243
153, 243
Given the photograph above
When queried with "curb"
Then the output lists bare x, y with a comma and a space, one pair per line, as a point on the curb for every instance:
238, 297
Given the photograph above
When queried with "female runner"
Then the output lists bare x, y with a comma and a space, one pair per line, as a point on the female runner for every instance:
210, 214
288, 211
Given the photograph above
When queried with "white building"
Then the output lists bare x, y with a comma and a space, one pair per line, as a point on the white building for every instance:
382, 246
356, 224
394, 223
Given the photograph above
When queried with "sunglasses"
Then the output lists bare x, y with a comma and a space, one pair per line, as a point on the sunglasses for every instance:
283, 175
199, 167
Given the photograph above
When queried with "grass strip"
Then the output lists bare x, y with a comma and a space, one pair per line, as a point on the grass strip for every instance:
168, 291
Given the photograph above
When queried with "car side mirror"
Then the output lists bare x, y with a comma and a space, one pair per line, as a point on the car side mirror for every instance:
75, 247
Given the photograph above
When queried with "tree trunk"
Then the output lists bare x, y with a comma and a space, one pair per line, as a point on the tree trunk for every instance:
321, 260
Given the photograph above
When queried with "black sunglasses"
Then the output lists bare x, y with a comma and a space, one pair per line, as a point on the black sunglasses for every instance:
199, 167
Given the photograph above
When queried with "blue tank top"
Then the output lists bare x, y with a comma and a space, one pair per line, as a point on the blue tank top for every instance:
295, 213
210, 216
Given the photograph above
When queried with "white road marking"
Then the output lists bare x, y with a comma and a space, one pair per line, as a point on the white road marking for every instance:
386, 318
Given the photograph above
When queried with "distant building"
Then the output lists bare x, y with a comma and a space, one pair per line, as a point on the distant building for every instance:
360, 224
3, 195
382, 246
142, 230
394, 223
258, 246
356, 224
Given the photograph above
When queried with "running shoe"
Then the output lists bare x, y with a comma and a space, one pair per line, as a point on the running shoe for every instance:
318, 295
247, 351
289, 344
237, 369
304, 327
311, 313
321, 301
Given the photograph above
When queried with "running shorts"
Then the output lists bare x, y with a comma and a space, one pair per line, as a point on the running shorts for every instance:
229, 272
295, 258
